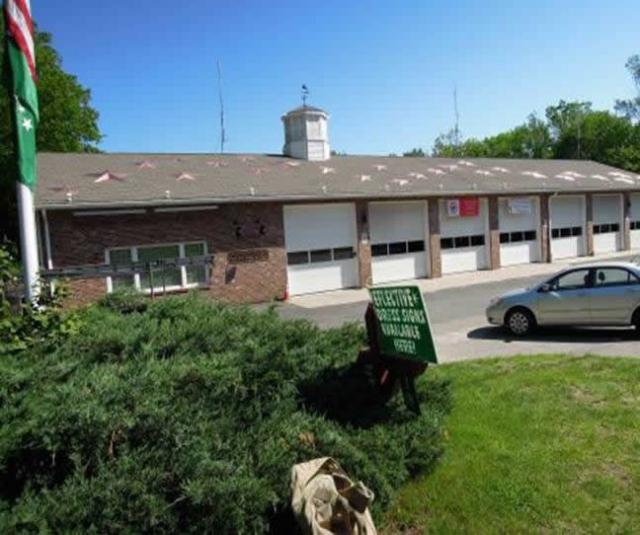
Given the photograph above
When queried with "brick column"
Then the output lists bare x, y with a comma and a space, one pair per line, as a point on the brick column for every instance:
494, 233
545, 230
589, 235
364, 243
434, 238
626, 221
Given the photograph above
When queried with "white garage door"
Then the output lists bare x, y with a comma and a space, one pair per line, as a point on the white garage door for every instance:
607, 217
567, 226
463, 240
519, 230
634, 216
397, 241
320, 241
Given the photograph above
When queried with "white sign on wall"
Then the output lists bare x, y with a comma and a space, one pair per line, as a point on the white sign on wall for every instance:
520, 206
453, 207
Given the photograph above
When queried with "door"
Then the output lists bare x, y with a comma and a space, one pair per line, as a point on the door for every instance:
568, 219
634, 220
615, 296
463, 240
321, 247
567, 301
519, 230
607, 218
398, 246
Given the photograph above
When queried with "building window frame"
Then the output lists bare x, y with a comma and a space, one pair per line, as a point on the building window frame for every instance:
134, 251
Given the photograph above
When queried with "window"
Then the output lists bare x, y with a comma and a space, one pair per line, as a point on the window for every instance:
121, 257
606, 227
461, 242
154, 267
343, 253
566, 232
320, 255
518, 236
614, 277
446, 243
574, 280
635, 225
296, 258
398, 247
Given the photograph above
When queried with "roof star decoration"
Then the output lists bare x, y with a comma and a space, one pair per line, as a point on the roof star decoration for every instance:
108, 176
146, 164
185, 176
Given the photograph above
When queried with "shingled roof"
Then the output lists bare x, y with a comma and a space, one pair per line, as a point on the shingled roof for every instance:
106, 180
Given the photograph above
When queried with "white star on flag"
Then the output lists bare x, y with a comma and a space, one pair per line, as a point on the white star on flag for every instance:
27, 124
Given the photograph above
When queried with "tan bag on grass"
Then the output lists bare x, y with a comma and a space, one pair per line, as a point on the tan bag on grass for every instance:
325, 501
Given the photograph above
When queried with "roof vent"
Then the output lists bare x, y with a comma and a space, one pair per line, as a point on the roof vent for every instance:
306, 134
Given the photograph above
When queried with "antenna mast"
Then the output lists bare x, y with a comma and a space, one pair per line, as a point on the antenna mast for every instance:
223, 135
305, 95
456, 128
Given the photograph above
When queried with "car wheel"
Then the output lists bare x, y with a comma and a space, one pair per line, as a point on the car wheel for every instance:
635, 321
519, 321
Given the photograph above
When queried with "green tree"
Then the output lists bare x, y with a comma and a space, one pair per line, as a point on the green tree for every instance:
68, 123
630, 108
414, 153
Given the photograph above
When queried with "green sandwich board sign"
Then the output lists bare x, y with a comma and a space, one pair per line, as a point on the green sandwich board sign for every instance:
404, 323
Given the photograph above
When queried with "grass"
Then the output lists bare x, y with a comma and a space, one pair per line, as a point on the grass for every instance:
536, 444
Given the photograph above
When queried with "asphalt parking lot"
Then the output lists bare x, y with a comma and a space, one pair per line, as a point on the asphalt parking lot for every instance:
462, 332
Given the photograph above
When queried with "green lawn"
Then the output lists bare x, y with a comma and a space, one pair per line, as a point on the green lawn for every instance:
535, 444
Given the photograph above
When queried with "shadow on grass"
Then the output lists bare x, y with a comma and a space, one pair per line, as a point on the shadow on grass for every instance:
558, 334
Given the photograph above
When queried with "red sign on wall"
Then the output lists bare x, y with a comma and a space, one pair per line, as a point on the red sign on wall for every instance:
469, 207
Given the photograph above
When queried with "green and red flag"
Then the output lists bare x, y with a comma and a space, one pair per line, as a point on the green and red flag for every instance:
22, 60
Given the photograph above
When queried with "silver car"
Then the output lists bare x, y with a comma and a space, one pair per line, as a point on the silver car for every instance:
603, 294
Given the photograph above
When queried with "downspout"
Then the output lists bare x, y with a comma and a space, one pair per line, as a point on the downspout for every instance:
47, 246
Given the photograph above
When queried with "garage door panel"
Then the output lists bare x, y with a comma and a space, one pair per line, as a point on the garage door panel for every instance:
393, 222
519, 234
397, 231
399, 267
567, 227
464, 240
467, 259
321, 244
319, 226
322, 277
512, 254
607, 219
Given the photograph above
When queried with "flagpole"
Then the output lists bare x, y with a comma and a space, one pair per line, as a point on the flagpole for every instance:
28, 241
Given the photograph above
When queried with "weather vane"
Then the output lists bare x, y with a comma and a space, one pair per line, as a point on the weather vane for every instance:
305, 94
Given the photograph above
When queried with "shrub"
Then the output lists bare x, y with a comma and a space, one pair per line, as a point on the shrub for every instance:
23, 325
187, 416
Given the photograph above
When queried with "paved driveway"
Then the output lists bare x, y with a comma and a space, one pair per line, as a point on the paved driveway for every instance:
461, 330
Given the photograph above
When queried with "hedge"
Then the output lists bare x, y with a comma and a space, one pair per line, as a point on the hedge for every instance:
186, 415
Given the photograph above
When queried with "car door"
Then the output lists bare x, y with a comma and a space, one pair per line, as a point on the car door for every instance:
614, 296
565, 300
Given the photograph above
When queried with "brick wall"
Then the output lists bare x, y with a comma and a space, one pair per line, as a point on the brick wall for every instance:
83, 240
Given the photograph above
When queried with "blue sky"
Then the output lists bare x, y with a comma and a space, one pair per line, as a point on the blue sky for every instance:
384, 70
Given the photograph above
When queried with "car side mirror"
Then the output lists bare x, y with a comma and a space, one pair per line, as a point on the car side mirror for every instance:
545, 288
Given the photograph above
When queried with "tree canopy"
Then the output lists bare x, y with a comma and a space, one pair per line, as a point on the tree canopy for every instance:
569, 130
68, 123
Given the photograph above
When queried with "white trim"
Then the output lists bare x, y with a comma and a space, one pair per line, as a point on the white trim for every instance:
47, 240
185, 209
85, 213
